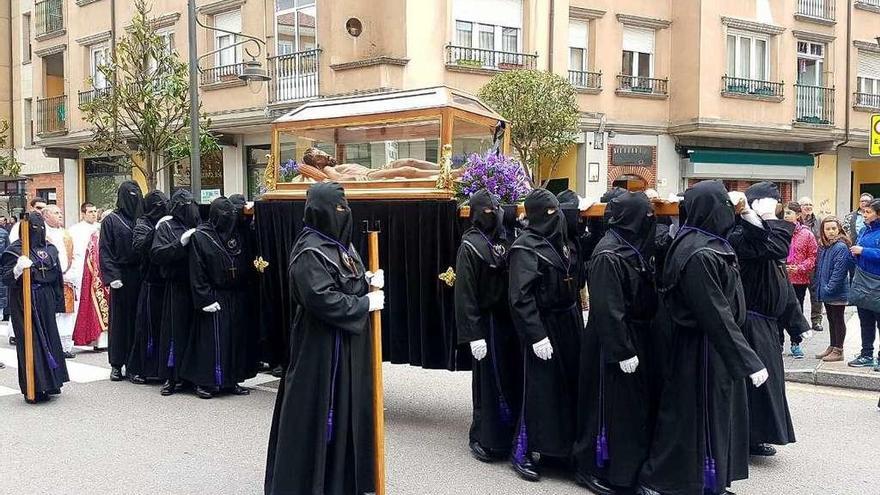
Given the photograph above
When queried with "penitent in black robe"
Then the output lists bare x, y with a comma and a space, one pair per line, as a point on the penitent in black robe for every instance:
172, 259
322, 435
482, 312
50, 370
214, 356
768, 297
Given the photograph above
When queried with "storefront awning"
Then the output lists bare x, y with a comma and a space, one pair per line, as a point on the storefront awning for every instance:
738, 157
719, 163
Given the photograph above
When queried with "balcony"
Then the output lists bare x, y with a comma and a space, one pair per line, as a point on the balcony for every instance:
86, 97
585, 80
50, 116
467, 59
752, 89
820, 11
49, 19
866, 102
815, 105
224, 74
643, 87
869, 5
294, 76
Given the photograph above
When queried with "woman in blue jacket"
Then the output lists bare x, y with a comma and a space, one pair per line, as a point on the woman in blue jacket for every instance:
867, 255
832, 283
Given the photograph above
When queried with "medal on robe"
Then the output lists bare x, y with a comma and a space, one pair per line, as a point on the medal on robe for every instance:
346, 259
232, 243
43, 255
565, 251
499, 249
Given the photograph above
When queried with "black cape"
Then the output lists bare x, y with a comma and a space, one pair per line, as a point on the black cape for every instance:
120, 261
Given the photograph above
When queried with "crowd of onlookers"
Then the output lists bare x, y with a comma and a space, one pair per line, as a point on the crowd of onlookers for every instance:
823, 257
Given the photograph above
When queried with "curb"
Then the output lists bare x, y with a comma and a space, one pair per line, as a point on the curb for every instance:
858, 381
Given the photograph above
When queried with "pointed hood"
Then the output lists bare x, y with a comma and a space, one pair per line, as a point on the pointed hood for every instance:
327, 211
129, 200
544, 217
221, 216
631, 217
184, 209
155, 206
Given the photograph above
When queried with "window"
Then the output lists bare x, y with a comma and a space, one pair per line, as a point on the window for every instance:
102, 179
811, 63
26, 50
868, 82
638, 52
48, 194
98, 56
167, 37
488, 24
223, 41
748, 56
464, 34
28, 122
577, 45
295, 26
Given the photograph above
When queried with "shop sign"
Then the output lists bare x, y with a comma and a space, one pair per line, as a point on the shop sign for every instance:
874, 148
632, 155
209, 195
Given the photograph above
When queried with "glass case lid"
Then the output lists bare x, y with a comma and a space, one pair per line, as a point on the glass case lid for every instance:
391, 102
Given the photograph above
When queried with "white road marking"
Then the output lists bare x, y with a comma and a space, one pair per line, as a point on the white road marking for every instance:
78, 372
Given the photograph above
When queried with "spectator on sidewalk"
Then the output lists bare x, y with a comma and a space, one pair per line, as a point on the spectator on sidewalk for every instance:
832, 283
854, 221
813, 223
801, 264
867, 254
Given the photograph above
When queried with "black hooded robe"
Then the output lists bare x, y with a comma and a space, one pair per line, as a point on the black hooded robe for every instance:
768, 297
321, 442
120, 261
616, 409
214, 357
253, 340
703, 413
50, 369
171, 256
146, 358
482, 312
543, 296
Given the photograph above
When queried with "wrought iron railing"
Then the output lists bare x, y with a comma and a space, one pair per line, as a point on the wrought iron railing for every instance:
815, 104
294, 76
870, 3
755, 87
819, 9
86, 97
49, 16
50, 115
638, 84
585, 79
866, 100
223, 73
479, 58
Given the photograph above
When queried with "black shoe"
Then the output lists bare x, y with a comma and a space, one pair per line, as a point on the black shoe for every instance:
54, 391
203, 393
239, 390
2, 365
115, 374
39, 398
168, 388
278, 372
264, 367
594, 484
762, 449
480, 453
644, 490
138, 380
11, 340
69, 355
526, 470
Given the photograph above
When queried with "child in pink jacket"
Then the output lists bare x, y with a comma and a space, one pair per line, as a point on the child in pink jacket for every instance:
801, 262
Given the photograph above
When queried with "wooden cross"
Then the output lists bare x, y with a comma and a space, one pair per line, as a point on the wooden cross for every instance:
42, 269
232, 270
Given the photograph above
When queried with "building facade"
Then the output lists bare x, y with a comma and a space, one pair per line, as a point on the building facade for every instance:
670, 92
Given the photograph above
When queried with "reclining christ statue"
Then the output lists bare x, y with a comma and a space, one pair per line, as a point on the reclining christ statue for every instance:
317, 165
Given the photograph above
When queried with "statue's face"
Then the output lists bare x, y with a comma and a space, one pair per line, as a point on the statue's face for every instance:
319, 159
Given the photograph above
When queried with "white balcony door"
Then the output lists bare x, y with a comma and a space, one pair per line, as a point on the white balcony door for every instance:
296, 31
578, 42
748, 56
638, 56
98, 56
811, 76
228, 54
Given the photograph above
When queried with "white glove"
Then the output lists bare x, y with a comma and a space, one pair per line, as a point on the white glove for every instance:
377, 279
249, 205
630, 365
765, 208
212, 308
807, 335
377, 300
584, 204
23, 263
164, 219
543, 349
116, 284
758, 378
184, 238
479, 349
674, 198
750, 216
737, 197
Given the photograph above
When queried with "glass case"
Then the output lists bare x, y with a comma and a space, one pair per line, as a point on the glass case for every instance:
387, 145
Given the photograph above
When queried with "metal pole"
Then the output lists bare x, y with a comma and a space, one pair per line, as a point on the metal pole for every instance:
195, 163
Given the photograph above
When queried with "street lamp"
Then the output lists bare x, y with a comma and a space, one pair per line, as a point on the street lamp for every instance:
252, 73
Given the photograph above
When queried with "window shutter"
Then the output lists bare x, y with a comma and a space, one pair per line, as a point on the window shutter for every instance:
869, 65
638, 40
229, 21
577, 34
507, 13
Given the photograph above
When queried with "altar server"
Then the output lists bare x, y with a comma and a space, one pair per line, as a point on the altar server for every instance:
145, 360
616, 405
482, 318
215, 362
50, 370
322, 430
169, 252
543, 296
761, 241
700, 442
120, 271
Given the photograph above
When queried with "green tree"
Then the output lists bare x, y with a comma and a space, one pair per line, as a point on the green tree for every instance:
144, 115
9, 165
542, 110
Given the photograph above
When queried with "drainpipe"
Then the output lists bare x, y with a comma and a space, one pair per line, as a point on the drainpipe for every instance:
12, 69
550, 36
848, 84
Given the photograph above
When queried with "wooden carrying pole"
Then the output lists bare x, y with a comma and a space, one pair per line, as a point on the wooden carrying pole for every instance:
661, 208
378, 392
30, 382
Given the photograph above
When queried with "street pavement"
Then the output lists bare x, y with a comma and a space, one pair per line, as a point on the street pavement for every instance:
101, 437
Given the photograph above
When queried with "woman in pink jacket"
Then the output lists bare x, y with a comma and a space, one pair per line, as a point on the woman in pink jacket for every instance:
800, 264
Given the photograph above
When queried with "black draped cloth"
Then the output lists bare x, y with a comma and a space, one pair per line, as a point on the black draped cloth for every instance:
119, 261
418, 241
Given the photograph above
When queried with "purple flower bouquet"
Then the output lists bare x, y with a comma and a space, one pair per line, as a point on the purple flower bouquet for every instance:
289, 170
501, 175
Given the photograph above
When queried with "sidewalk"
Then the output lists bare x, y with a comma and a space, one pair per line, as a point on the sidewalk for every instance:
814, 371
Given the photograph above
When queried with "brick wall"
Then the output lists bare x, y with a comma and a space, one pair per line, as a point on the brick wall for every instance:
785, 188
47, 181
